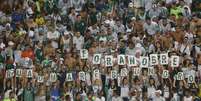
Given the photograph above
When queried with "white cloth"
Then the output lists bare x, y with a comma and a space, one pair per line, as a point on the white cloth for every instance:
124, 91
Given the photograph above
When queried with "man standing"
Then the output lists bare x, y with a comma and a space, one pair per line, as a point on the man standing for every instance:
28, 93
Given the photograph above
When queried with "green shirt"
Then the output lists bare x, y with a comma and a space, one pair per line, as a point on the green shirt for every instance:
9, 66
28, 95
7, 99
1, 59
80, 26
176, 11
93, 17
46, 62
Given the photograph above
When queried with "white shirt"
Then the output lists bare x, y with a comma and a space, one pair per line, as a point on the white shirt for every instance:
151, 91
185, 49
117, 99
189, 72
197, 49
120, 28
96, 88
124, 91
188, 98
188, 2
78, 4
65, 5
151, 48
6, 95
88, 79
55, 44
94, 31
130, 51
190, 36
155, 12
175, 97
53, 35
166, 92
79, 41
138, 3
165, 28
151, 29
100, 99
17, 55
158, 98
97, 99
148, 4
133, 98
171, 1
66, 43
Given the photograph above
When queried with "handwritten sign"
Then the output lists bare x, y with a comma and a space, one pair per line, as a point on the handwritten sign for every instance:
97, 59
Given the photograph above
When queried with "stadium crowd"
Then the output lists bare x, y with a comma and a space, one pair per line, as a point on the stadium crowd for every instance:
47, 50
